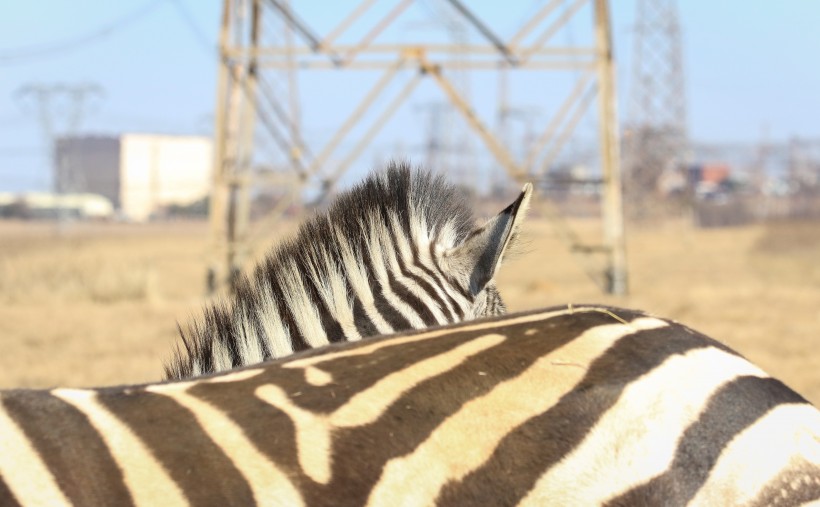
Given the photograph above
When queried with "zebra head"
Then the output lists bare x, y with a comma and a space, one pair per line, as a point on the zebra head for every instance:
399, 251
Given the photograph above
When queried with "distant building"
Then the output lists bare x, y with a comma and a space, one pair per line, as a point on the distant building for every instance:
710, 180
713, 173
141, 174
51, 206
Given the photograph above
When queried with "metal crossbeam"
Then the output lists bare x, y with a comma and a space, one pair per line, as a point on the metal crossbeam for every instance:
356, 115
502, 48
500, 152
298, 24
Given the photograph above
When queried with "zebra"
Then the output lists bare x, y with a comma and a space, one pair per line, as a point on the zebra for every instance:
399, 251
572, 405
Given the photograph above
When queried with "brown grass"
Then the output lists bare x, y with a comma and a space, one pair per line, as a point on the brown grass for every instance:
99, 304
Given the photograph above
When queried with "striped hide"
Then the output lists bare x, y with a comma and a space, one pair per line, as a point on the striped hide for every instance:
399, 251
565, 406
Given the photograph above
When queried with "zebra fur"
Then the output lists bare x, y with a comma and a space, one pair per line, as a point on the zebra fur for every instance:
584, 405
399, 251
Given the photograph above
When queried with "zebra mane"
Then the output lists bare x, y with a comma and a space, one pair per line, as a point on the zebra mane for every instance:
396, 200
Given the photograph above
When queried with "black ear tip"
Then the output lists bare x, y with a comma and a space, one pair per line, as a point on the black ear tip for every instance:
526, 193
523, 200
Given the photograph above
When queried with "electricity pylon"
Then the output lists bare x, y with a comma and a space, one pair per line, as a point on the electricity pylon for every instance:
60, 109
655, 138
244, 99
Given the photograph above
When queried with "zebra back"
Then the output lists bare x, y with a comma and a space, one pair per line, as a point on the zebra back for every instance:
399, 251
565, 406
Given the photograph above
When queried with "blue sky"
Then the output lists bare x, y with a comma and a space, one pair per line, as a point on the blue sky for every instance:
751, 66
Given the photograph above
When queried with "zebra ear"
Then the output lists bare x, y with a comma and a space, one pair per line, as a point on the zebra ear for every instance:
479, 256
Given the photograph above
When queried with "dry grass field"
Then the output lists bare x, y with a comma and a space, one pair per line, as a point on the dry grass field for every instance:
98, 305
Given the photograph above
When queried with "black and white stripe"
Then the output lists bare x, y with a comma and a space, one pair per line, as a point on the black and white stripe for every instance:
565, 406
399, 251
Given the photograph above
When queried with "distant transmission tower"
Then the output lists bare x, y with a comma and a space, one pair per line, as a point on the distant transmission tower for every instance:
60, 109
656, 139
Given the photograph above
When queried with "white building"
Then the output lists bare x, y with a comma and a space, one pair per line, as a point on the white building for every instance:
139, 173
50, 205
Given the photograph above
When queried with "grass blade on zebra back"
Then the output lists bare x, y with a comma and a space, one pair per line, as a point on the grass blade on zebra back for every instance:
398, 251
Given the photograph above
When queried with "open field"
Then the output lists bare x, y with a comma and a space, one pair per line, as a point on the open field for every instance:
99, 304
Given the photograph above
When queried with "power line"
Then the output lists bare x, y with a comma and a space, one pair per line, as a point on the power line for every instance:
19, 55
199, 34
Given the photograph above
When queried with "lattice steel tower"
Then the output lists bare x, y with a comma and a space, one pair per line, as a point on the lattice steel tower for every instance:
252, 99
656, 139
